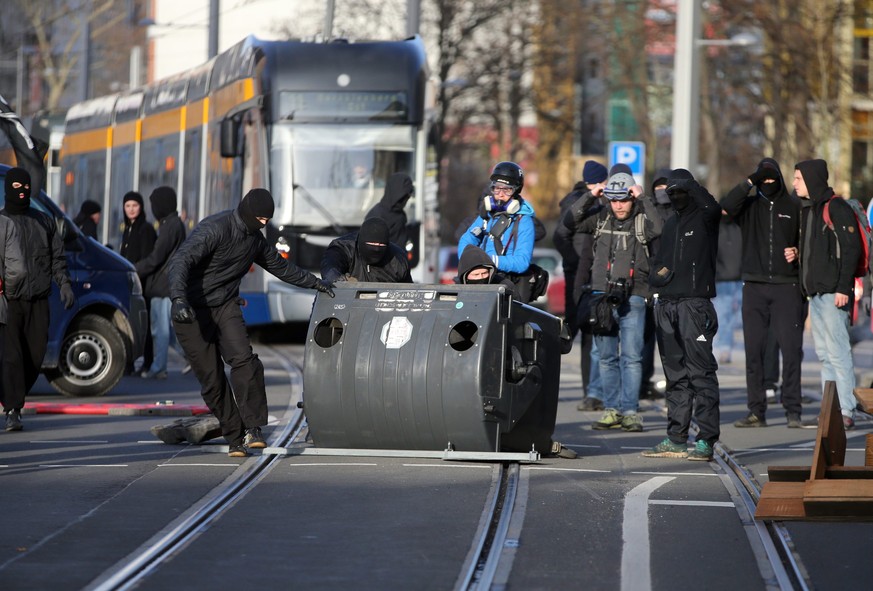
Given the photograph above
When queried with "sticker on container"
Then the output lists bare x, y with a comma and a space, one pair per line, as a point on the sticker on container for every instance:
396, 332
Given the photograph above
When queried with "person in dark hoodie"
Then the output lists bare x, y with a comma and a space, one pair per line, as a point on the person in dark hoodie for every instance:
137, 242
88, 218
769, 218
153, 273
391, 208
683, 275
828, 257
28, 314
12, 270
365, 255
204, 277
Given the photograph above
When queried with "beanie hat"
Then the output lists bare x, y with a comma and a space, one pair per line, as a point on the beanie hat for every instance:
90, 207
17, 200
132, 196
593, 172
618, 186
373, 240
620, 167
163, 201
258, 203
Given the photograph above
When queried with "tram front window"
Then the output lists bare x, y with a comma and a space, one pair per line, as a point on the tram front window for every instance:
333, 174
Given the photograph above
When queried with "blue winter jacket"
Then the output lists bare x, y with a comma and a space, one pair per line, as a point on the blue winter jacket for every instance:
518, 244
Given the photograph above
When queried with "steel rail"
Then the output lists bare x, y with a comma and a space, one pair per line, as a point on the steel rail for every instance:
148, 558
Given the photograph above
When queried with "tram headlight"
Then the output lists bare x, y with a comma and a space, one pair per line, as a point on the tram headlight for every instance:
283, 247
134, 283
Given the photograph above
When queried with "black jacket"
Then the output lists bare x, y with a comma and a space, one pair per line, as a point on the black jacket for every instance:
827, 257
341, 260
152, 270
138, 239
391, 207
208, 267
576, 248
769, 225
684, 266
43, 254
87, 225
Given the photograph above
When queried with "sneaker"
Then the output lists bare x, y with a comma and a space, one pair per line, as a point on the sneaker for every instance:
611, 419
794, 421
13, 420
588, 404
633, 423
848, 423
751, 420
771, 394
237, 451
702, 451
560, 451
667, 449
254, 439
154, 375
187, 369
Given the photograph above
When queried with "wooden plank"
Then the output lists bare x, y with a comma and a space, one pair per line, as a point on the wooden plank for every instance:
865, 398
781, 501
801, 473
843, 498
830, 440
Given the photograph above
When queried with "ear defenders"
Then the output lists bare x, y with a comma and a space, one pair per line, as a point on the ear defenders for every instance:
512, 206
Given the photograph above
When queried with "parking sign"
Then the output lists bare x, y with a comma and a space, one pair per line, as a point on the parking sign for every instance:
631, 153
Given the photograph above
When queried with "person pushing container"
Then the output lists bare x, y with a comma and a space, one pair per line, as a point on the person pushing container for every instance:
204, 278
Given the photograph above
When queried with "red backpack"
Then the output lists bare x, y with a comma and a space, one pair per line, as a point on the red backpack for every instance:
864, 234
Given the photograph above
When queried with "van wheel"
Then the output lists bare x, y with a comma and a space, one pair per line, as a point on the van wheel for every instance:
92, 359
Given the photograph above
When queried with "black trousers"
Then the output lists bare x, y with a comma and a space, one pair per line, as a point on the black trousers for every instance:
25, 342
219, 336
685, 329
778, 309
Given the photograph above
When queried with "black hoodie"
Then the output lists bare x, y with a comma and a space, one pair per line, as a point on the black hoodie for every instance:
473, 257
770, 224
391, 207
139, 236
827, 257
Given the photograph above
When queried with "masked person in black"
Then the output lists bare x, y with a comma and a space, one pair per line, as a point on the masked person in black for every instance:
366, 255
11, 274
475, 267
769, 218
204, 278
392, 207
683, 276
28, 307
88, 218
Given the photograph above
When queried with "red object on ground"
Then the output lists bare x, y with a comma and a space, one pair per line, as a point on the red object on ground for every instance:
66, 408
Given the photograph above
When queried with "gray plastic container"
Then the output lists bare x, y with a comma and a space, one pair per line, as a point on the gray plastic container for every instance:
422, 367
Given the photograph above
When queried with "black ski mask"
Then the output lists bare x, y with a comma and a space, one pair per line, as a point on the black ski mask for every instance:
258, 203
679, 197
373, 241
17, 200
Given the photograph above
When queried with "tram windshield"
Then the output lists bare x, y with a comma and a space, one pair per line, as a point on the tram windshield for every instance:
330, 176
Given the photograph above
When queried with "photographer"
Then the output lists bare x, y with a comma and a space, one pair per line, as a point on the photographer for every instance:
619, 280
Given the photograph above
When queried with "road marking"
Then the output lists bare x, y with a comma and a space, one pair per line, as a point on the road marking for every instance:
65, 441
566, 469
581, 445
694, 503
306, 465
480, 466
676, 473
636, 572
83, 465
189, 465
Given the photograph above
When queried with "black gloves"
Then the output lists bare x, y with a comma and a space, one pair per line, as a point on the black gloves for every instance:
325, 287
67, 297
678, 185
182, 311
763, 173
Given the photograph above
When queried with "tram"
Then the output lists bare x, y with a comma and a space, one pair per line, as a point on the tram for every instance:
321, 125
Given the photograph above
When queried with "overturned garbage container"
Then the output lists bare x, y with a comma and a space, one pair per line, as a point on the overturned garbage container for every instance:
424, 367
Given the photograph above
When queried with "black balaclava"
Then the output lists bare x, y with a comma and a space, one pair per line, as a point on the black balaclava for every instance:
375, 232
258, 203
17, 200
661, 197
679, 198
770, 190
472, 258
163, 201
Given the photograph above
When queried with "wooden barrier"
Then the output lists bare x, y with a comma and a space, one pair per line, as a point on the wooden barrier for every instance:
826, 490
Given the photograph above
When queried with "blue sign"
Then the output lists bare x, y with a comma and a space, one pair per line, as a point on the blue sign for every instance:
631, 153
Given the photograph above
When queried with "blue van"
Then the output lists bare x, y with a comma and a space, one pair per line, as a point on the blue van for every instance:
90, 343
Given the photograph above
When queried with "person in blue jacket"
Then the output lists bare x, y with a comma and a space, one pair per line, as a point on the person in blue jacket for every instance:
506, 234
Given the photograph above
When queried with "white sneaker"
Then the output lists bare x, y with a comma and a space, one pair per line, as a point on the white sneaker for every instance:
771, 394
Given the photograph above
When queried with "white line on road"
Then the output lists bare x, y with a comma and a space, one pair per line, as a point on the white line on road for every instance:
447, 466
189, 465
675, 473
70, 441
636, 572
566, 469
694, 503
330, 464
83, 465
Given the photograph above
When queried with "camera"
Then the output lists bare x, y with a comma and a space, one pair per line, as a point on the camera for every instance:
618, 291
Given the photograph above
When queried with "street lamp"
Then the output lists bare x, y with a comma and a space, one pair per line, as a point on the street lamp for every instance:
686, 82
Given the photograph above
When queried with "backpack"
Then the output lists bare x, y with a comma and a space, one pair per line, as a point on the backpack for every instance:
864, 233
639, 231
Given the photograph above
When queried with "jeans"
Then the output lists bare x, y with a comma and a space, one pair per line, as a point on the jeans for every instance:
621, 357
830, 331
728, 307
163, 336
595, 386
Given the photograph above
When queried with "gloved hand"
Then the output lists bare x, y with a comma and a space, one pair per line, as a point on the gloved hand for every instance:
763, 173
325, 287
680, 185
182, 311
67, 297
